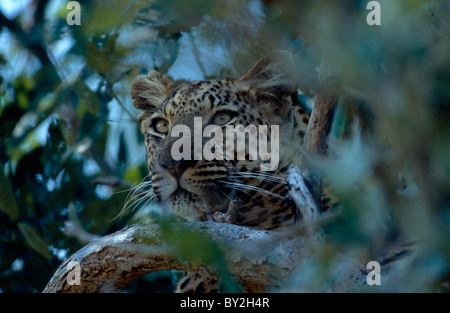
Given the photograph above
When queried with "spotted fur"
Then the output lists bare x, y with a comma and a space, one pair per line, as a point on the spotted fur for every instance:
235, 191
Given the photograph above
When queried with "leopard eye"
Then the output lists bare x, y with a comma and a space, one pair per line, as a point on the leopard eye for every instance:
223, 118
160, 126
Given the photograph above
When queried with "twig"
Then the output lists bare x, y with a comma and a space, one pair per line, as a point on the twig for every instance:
73, 227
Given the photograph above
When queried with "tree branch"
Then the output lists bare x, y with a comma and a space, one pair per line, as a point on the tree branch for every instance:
315, 141
112, 262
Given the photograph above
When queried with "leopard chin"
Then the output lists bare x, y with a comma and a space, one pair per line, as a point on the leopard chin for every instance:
194, 207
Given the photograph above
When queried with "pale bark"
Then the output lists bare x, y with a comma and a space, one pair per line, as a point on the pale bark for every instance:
112, 262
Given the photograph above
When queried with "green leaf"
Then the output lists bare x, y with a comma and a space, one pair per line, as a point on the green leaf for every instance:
87, 100
99, 60
34, 240
132, 175
194, 246
190, 245
110, 44
8, 202
34, 139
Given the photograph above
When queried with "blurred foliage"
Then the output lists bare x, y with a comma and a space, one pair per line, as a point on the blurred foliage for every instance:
69, 135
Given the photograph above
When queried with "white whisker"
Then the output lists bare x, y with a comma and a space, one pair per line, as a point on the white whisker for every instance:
139, 195
254, 188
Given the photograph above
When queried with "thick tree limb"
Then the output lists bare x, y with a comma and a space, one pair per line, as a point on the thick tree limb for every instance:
112, 262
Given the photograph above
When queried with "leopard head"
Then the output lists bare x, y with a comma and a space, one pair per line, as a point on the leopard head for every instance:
264, 96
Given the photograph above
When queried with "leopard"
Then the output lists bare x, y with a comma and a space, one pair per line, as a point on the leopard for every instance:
238, 191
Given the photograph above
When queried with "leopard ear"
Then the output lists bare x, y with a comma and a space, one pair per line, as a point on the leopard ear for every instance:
273, 74
149, 91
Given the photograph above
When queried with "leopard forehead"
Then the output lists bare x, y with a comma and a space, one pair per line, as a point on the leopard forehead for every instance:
199, 98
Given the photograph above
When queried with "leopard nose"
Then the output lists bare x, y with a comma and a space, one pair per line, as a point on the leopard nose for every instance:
177, 168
